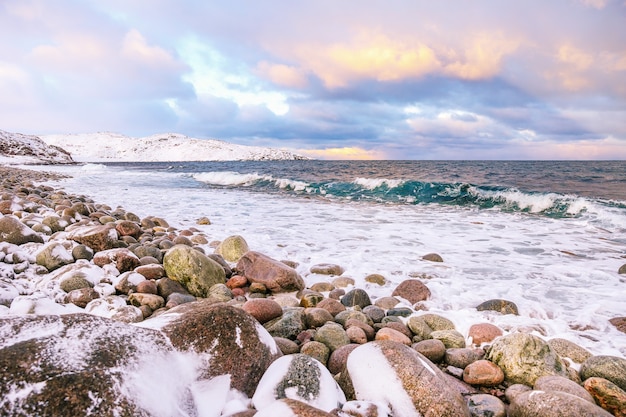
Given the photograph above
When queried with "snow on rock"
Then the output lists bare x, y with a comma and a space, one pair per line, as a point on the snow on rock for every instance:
298, 377
108, 147
16, 148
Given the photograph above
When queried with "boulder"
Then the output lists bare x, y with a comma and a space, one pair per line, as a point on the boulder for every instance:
612, 368
17, 233
79, 364
433, 349
194, 270
98, 238
298, 377
412, 290
227, 339
619, 323
232, 248
275, 275
450, 338
53, 256
553, 404
571, 350
395, 375
524, 358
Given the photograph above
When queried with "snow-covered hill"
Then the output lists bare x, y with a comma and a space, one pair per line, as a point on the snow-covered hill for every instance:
110, 147
16, 148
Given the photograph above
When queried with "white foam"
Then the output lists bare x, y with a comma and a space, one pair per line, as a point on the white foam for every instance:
373, 183
229, 178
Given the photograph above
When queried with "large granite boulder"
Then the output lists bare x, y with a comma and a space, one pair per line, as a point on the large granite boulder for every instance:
298, 377
194, 270
275, 275
524, 358
16, 232
79, 364
227, 339
391, 373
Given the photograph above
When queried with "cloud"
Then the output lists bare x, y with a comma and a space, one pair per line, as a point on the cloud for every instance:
343, 153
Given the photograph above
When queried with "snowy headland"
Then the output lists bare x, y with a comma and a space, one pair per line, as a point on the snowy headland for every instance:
113, 147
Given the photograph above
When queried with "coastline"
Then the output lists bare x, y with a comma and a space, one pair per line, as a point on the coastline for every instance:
18, 188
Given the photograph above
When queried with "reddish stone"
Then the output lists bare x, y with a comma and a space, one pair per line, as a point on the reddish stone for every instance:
237, 281
412, 290
369, 330
387, 333
128, 228
147, 287
332, 305
402, 328
151, 271
483, 372
124, 259
238, 292
275, 275
337, 359
81, 297
262, 309
484, 333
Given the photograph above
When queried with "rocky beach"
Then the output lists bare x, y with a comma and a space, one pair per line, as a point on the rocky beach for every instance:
106, 313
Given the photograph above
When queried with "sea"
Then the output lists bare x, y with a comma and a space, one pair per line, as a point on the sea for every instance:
549, 236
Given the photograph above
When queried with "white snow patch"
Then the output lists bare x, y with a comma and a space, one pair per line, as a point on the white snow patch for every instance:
374, 379
238, 337
210, 395
427, 366
18, 394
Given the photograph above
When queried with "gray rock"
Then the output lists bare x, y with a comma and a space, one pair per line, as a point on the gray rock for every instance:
356, 297
461, 357
485, 405
571, 350
524, 358
289, 325
612, 368
332, 335
433, 349
327, 269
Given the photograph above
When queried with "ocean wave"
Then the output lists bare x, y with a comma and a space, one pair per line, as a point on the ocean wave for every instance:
236, 179
373, 183
401, 191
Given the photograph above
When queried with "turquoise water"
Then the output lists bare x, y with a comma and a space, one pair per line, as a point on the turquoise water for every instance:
552, 188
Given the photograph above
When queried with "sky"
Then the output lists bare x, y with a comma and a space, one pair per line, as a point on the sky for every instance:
400, 79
